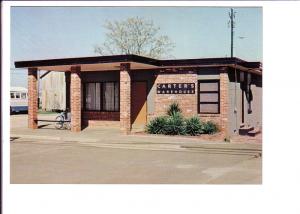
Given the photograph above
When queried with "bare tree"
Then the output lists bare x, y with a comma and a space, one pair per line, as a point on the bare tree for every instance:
135, 36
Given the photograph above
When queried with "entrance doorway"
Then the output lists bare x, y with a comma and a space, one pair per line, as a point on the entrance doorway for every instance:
139, 104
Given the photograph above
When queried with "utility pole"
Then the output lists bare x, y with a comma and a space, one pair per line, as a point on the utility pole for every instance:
232, 26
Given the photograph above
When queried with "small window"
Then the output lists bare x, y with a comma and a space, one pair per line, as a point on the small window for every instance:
23, 95
12, 95
18, 95
209, 97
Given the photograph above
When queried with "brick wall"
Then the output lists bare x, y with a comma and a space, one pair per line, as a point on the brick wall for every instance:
216, 118
101, 119
187, 102
32, 98
99, 115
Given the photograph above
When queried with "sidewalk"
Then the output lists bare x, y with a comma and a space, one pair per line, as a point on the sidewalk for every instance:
113, 138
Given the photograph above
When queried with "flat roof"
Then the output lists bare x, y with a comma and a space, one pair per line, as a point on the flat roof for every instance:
137, 62
87, 60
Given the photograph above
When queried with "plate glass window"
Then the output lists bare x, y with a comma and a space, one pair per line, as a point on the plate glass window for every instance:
102, 96
109, 101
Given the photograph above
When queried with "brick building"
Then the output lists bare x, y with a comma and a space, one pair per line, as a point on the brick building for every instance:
131, 89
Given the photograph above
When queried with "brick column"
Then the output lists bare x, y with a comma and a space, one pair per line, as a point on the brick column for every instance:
125, 98
32, 98
75, 99
224, 101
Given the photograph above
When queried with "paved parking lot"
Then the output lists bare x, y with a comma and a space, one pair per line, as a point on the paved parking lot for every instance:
35, 161
115, 159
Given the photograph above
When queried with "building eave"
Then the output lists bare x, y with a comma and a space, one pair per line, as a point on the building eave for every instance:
139, 62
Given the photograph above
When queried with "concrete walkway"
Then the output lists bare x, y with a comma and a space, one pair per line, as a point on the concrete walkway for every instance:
112, 137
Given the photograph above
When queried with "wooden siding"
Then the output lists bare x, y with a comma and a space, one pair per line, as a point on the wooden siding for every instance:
53, 89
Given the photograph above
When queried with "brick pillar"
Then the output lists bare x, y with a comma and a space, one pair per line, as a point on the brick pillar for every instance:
32, 98
68, 89
75, 99
125, 98
224, 101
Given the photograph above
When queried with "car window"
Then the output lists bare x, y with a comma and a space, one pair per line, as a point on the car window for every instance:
17, 95
23, 95
12, 95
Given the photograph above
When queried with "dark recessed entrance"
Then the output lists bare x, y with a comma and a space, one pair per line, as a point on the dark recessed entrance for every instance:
139, 103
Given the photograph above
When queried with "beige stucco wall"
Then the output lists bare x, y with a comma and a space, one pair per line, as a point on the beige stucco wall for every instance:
235, 111
255, 118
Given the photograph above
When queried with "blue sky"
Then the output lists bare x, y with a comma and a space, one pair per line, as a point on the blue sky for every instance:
57, 32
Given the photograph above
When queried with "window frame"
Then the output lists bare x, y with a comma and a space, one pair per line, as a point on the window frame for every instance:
101, 96
18, 94
209, 92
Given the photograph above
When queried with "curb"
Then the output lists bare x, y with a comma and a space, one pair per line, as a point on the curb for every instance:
35, 137
44, 137
171, 137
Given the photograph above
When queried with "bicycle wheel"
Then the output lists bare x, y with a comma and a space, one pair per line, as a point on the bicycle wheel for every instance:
59, 122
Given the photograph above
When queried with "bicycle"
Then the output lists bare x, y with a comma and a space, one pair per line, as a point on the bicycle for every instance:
63, 120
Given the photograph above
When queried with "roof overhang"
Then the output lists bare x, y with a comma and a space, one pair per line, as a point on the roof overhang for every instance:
110, 63
112, 66
98, 63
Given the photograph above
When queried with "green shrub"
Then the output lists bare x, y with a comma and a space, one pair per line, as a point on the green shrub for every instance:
157, 125
173, 109
209, 128
175, 125
194, 126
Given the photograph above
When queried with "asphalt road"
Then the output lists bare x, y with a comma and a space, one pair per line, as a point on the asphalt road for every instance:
34, 161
